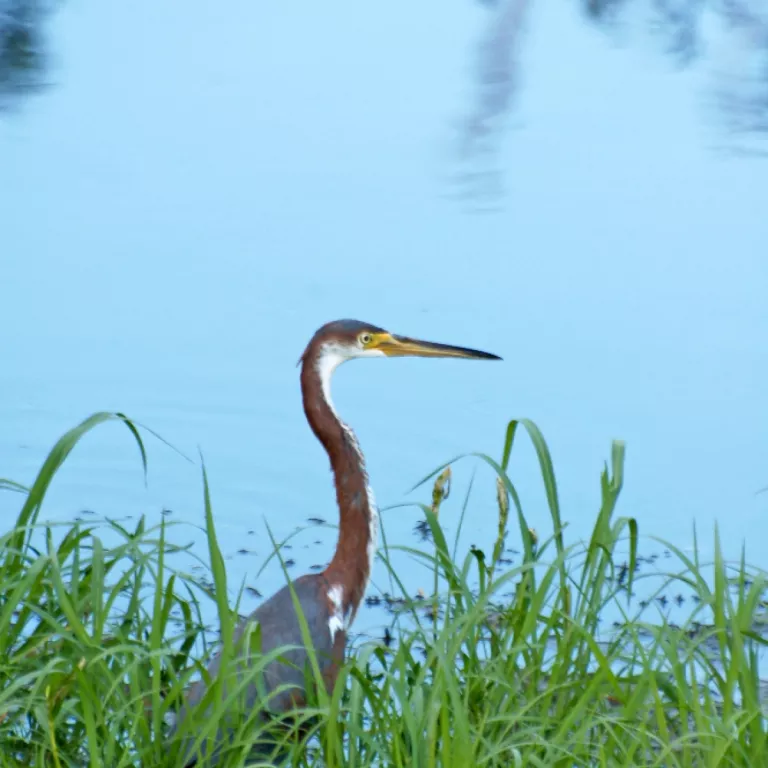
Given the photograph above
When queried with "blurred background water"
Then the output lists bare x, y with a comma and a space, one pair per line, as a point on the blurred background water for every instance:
199, 188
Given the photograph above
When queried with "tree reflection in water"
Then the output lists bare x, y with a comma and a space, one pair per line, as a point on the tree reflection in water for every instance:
740, 89
742, 94
22, 53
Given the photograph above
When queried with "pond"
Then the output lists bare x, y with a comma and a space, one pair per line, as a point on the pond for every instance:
198, 191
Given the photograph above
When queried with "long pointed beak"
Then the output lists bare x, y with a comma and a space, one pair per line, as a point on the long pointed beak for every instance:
402, 346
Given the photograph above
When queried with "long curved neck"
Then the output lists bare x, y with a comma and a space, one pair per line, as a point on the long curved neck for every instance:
358, 517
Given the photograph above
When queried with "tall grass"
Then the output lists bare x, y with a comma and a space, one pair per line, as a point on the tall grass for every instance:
99, 640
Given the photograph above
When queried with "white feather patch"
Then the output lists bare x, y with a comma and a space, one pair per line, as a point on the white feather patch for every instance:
336, 622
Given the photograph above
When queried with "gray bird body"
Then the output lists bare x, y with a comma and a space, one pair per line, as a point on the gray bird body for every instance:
279, 627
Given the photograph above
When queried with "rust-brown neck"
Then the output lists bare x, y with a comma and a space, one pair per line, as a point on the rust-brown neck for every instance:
350, 565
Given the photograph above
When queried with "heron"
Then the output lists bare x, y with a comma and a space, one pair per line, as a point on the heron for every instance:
329, 600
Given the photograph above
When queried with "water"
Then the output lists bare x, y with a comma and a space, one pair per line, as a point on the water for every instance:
200, 190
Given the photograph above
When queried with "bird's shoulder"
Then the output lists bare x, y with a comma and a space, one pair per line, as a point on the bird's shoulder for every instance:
277, 615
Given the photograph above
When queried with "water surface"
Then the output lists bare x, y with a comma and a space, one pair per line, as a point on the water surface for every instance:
202, 189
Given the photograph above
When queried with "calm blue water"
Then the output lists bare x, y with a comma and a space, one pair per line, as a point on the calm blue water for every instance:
200, 190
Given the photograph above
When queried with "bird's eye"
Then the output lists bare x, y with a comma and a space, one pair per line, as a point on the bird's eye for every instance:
365, 339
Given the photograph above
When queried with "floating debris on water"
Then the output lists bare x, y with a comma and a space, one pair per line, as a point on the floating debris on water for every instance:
423, 530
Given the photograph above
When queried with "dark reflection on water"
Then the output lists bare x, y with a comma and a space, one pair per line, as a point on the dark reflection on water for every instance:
741, 94
22, 49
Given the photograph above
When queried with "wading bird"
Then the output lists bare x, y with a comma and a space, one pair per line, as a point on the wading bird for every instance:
330, 599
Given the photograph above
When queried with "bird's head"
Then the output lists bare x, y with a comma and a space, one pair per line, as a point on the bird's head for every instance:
344, 340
